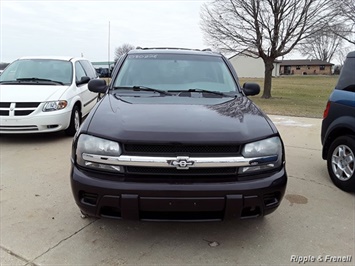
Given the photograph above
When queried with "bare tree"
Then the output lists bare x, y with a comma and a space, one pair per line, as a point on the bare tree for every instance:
263, 28
346, 8
323, 45
123, 49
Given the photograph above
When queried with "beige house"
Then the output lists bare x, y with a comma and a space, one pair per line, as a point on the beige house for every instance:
249, 67
305, 67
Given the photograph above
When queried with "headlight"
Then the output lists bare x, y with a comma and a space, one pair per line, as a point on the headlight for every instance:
55, 105
271, 146
271, 151
97, 146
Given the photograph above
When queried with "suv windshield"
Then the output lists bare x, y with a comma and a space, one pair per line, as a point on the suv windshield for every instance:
38, 70
176, 72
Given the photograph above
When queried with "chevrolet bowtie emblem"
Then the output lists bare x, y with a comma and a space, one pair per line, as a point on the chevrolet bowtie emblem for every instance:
182, 163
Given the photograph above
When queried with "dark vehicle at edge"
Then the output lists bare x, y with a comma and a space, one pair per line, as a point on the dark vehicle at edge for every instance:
175, 138
338, 129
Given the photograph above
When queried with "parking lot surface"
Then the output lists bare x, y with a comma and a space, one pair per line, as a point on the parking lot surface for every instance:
41, 225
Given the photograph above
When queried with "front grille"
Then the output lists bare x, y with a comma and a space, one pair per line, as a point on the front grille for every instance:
17, 109
181, 172
172, 174
25, 112
4, 105
27, 105
152, 149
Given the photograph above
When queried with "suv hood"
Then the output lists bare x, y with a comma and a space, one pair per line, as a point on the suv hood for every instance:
31, 93
177, 119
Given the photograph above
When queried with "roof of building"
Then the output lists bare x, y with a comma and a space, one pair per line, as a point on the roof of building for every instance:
291, 62
304, 62
246, 54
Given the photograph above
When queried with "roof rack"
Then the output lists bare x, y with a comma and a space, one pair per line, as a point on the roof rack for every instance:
172, 48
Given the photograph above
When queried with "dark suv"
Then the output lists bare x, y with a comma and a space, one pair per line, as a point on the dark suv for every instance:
338, 128
175, 138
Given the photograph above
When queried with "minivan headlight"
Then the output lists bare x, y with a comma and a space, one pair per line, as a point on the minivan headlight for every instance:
54, 105
270, 148
97, 146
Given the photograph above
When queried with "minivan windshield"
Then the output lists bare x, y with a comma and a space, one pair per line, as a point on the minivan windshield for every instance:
176, 72
38, 71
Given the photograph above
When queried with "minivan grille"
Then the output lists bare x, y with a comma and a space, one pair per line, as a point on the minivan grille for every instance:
22, 112
27, 105
4, 105
17, 109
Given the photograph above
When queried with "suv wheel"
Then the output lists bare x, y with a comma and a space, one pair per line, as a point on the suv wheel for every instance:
75, 121
341, 162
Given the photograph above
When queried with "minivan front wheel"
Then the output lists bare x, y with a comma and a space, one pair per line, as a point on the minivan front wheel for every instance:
341, 162
75, 121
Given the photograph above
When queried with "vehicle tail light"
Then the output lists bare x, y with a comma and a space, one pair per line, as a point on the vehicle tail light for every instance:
326, 111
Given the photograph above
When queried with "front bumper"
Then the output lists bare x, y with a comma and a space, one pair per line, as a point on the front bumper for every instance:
37, 122
161, 201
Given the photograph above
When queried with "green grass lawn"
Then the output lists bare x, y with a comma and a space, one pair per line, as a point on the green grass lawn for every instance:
295, 95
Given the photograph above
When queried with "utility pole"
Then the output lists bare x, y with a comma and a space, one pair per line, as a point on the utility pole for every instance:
108, 55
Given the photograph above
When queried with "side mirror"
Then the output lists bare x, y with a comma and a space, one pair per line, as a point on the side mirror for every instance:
97, 85
83, 80
251, 89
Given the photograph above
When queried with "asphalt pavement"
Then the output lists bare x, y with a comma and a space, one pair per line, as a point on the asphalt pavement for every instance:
41, 225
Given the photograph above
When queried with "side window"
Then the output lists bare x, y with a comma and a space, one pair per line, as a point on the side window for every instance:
79, 71
89, 69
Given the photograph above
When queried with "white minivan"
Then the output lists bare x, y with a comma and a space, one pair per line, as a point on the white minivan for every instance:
45, 94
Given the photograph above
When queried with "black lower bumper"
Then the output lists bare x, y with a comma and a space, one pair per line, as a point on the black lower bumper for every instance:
177, 202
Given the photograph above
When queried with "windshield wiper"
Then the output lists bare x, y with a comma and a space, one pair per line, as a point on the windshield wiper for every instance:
143, 88
206, 91
9, 81
40, 79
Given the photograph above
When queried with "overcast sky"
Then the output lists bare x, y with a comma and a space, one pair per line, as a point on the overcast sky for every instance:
82, 27
75, 28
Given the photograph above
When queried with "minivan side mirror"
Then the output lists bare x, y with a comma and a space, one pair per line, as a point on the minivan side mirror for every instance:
97, 85
251, 89
83, 80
